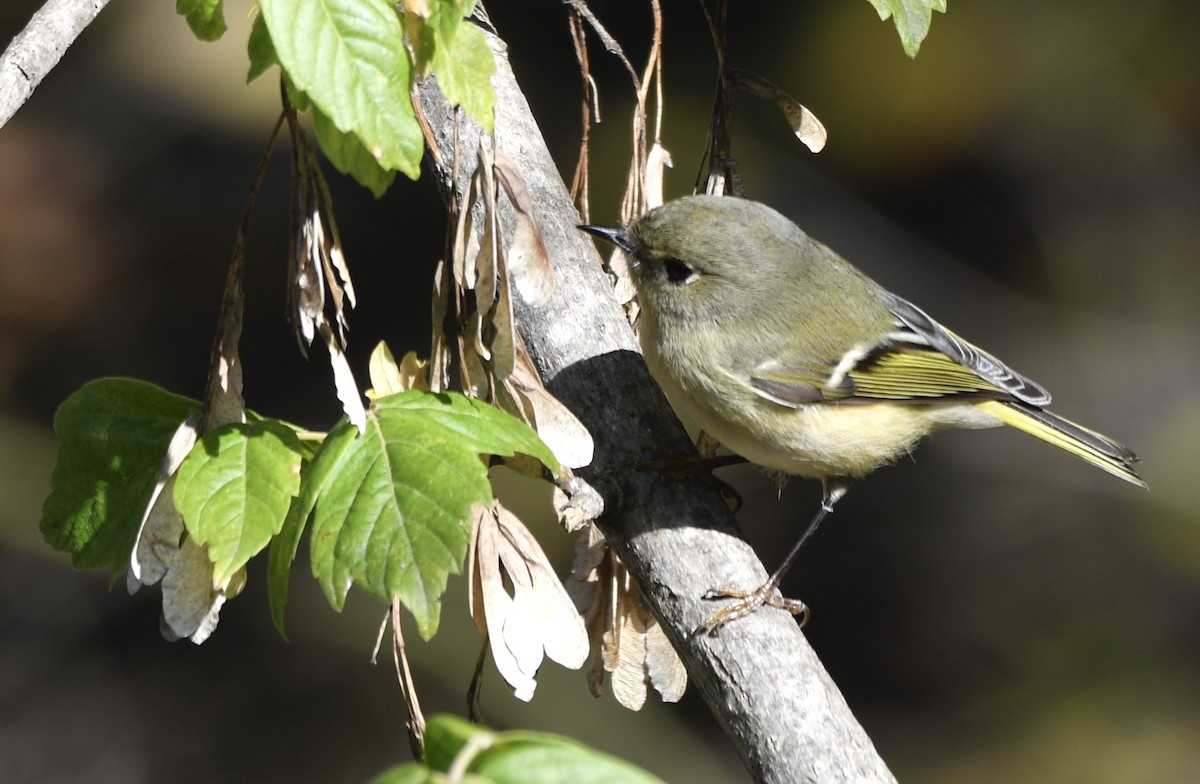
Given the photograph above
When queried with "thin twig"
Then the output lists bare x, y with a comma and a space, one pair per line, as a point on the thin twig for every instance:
589, 105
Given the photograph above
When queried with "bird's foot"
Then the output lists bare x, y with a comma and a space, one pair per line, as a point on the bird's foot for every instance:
676, 468
748, 603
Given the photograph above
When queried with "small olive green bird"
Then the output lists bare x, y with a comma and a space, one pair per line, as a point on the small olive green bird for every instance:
793, 359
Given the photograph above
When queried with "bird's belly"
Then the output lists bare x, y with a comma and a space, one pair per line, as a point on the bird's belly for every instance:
822, 440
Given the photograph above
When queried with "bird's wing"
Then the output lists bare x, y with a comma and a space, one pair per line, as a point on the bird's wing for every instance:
920, 361
917, 322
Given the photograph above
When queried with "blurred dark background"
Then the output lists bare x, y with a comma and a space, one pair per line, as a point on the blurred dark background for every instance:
993, 610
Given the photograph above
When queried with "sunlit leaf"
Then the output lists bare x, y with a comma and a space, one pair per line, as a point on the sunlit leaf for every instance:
234, 491
394, 512
521, 756
463, 65
349, 58
912, 19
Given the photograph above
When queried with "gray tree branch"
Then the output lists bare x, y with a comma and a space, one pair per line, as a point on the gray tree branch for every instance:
35, 51
760, 678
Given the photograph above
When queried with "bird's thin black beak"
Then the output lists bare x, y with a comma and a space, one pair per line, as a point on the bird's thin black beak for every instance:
617, 236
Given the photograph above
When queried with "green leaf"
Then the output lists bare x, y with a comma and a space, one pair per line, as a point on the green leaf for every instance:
912, 19
347, 154
463, 65
523, 757
113, 435
235, 488
349, 58
416, 773
411, 773
284, 546
394, 504
260, 49
205, 17
282, 553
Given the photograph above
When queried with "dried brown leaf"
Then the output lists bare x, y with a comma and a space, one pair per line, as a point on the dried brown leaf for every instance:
317, 265
474, 586
805, 125
223, 402
306, 279
389, 377
503, 328
161, 530
538, 619
560, 429
652, 189
630, 643
484, 285
343, 379
476, 380
628, 675
498, 612
191, 603
439, 350
663, 665
466, 243
529, 266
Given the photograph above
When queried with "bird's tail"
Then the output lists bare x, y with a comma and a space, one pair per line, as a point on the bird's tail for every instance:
1088, 445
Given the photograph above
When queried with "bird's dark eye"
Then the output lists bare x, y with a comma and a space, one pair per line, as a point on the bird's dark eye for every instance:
677, 271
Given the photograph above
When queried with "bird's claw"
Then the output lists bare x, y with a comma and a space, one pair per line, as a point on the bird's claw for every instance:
748, 603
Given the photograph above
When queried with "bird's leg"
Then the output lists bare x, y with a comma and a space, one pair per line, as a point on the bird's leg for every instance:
767, 594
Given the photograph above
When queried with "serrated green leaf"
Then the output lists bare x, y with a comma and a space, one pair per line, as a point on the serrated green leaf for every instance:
395, 503
260, 49
347, 154
205, 17
349, 58
113, 434
235, 488
912, 19
463, 65
477, 426
524, 757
